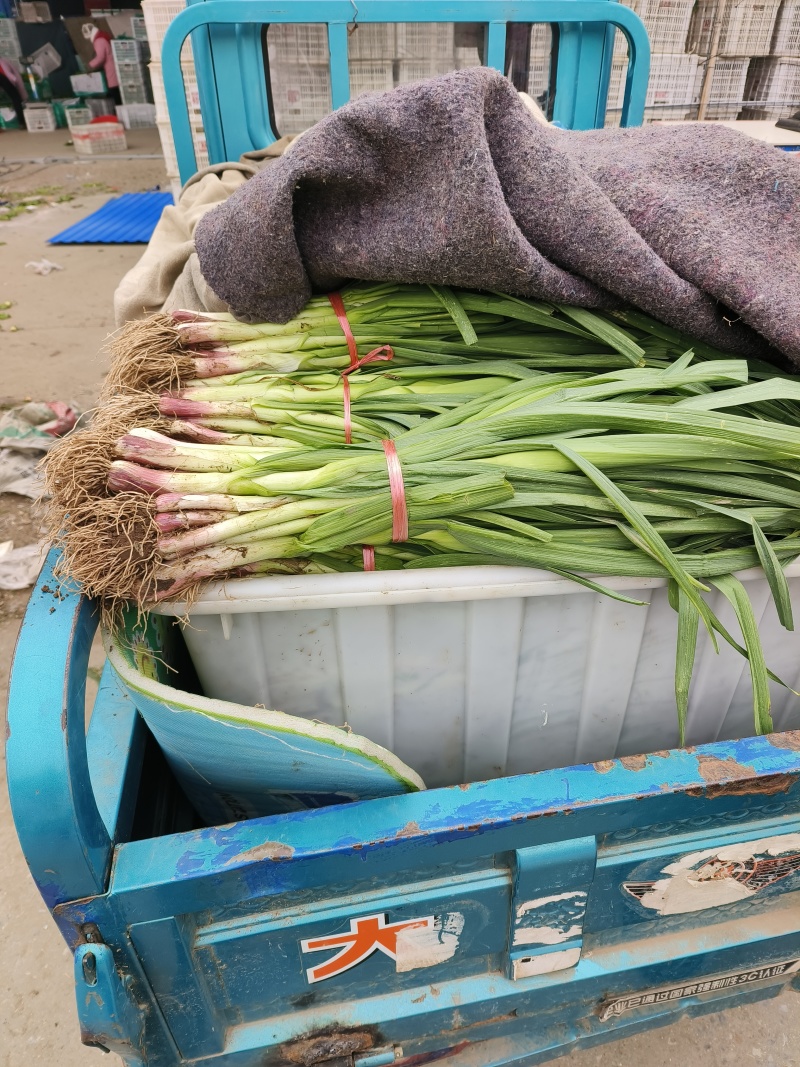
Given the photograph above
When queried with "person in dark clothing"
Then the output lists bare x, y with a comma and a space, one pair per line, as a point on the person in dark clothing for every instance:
13, 94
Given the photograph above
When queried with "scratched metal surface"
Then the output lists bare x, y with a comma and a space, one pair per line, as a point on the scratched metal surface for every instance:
493, 923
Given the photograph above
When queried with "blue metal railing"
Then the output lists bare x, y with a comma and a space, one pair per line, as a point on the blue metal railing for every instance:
228, 51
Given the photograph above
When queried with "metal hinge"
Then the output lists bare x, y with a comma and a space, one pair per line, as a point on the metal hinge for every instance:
109, 1017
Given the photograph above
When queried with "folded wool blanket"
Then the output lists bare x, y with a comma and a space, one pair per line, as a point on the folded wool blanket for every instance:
453, 181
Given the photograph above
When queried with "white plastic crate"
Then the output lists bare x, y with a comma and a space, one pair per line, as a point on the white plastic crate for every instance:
88, 84
9, 46
538, 76
467, 57
8, 30
727, 88
77, 116
301, 95
137, 116
130, 69
45, 60
100, 105
39, 118
746, 29
99, 139
468, 673
160, 96
786, 35
425, 40
667, 23
673, 81
170, 155
414, 70
138, 28
297, 42
773, 87
168, 149
370, 76
158, 14
133, 92
376, 40
541, 41
670, 114
126, 51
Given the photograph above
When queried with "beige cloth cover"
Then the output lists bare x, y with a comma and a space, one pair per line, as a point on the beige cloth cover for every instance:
168, 275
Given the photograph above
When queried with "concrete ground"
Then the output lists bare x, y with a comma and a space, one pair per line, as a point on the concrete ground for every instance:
54, 353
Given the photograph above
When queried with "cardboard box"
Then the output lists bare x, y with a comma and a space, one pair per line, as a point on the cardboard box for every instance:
35, 11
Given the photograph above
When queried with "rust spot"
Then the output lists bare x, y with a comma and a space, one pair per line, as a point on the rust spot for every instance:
463, 786
358, 845
411, 829
475, 827
604, 766
714, 770
634, 763
662, 753
790, 740
270, 850
331, 1045
767, 785
418, 1000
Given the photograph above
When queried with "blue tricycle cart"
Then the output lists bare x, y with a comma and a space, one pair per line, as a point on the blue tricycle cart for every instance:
492, 923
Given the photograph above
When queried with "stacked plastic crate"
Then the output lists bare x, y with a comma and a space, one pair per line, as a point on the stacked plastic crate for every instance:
10, 50
131, 71
539, 62
380, 56
158, 14
773, 82
671, 91
745, 32
424, 50
9, 39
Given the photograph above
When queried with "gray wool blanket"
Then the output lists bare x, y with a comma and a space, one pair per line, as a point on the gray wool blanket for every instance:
453, 181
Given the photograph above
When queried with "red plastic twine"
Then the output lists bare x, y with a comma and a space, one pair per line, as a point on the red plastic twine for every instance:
384, 352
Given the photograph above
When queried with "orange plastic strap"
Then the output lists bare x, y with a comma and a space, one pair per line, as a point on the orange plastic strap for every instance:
398, 491
338, 306
384, 352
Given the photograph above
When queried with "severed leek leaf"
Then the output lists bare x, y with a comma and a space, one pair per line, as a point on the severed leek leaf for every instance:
650, 539
770, 563
688, 622
606, 332
450, 302
773, 389
733, 590
680, 364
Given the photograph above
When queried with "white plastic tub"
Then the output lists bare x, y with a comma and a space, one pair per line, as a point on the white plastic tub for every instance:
469, 673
